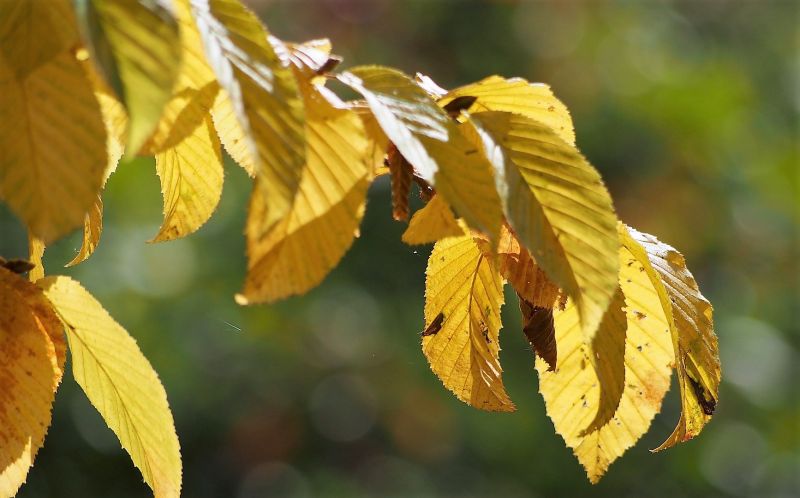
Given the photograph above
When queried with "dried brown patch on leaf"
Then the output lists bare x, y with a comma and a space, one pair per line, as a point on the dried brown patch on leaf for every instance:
539, 328
402, 173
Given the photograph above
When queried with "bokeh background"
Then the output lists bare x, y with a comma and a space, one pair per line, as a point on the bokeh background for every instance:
690, 112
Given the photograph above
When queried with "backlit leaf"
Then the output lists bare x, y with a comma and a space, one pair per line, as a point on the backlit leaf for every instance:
520, 269
463, 287
35, 254
33, 33
433, 222
427, 137
558, 207
53, 142
263, 96
120, 383
92, 229
194, 90
585, 389
689, 317
191, 182
534, 100
648, 356
297, 253
137, 45
231, 133
32, 354
539, 328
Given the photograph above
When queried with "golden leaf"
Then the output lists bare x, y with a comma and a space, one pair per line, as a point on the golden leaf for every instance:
191, 182
432, 143
44, 29
194, 90
120, 383
433, 222
35, 254
53, 142
92, 229
32, 354
689, 317
136, 45
464, 293
648, 355
534, 100
263, 96
297, 253
586, 387
520, 269
558, 207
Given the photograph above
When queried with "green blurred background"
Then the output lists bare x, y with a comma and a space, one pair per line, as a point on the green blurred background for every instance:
690, 112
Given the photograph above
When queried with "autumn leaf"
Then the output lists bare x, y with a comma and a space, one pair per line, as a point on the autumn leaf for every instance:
427, 137
539, 328
120, 383
262, 96
402, 174
33, 33
136, 44
433, 222
519, 268
35, 254
191, 182
689, 318
32, 354
648, 359
53, 142
516, 95
586, 387
466, 291
92, 229
313, 57
557, 205
297, 253
194, 90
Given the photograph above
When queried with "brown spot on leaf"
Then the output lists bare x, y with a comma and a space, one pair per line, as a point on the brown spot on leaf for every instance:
458, 104
435, 326
539, 328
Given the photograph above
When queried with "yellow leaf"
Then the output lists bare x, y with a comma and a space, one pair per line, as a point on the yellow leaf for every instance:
432, 143
194, 91
231, 133
463, 296
648, 355
586, 386
115, 121
520, 269
297, 253
313, 57
433, 222
35, 254
263, 97
92, 228
559, 208
32, 354
120, 383
191, 182
137, 46
534, 100
53, 142
689, 316
33, 33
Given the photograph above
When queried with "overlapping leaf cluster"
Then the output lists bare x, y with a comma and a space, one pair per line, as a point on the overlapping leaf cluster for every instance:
608, 311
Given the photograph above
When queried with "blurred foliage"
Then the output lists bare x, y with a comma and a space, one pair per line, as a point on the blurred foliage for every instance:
690, 112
